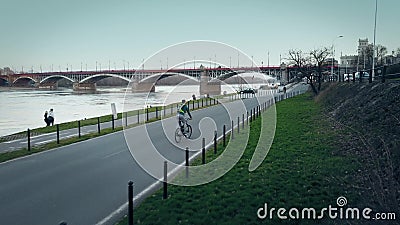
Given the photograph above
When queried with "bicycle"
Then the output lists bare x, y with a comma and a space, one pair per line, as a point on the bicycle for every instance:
187, 131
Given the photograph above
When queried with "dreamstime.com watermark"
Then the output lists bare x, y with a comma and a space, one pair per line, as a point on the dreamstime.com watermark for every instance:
331, 212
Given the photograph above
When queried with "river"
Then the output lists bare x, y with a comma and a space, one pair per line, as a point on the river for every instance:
23, 108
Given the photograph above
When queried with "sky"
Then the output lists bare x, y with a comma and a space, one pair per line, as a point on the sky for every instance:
60, 34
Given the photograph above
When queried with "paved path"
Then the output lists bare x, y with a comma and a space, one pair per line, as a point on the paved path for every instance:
84, 182
41, 139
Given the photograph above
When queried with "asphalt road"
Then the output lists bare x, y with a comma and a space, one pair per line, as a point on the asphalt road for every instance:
84, 182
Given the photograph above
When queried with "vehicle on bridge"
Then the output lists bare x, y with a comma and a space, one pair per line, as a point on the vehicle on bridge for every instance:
247, 91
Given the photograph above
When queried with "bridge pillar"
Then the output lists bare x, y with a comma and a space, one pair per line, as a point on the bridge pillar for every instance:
209, 88
84, 86
139, 87
48, 86
284, 73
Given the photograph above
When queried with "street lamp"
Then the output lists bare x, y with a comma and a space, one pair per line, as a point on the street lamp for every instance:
373, 47
333, 52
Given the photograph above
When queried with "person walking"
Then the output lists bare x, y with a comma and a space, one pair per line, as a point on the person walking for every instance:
46, 119
51, 117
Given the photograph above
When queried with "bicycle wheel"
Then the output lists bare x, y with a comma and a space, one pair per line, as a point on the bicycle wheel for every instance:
188, 131
178, 135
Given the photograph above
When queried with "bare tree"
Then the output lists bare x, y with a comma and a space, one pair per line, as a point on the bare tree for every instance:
318, 57
381, 52
302, 62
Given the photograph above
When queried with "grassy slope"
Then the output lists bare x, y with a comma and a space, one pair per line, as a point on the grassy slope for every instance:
301, 170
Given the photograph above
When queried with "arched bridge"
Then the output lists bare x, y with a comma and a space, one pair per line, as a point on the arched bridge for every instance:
86, 80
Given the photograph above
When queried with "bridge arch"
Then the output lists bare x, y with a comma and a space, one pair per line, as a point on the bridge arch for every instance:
55, 79
3, 81
159, 76
24, 78
99, 77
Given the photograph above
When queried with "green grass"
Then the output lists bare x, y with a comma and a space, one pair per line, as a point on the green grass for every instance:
301, 170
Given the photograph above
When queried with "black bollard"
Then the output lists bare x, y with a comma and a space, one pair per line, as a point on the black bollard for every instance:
384, 73
243, 121
156, 112
251, 115
112, 119
130, 203
79, 128
238, 125
202, 103
29, 139
147, 114
98, 125
203, 152
192, 104
370, 76
215, 142
187, 161
224, 135
138, 116
126, 119
232, 125
165, 187
58, 134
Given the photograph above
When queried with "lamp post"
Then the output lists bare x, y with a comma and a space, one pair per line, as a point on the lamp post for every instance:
333, 52
373, 47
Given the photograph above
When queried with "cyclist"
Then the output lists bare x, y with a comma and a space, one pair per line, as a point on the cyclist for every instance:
184, 108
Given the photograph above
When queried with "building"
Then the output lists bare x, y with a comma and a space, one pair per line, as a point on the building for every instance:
6, 71
362, 46
348, 63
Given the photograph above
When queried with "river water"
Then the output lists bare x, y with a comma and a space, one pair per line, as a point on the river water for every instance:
23, 109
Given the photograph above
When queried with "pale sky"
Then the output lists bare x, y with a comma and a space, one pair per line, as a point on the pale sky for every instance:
41, 33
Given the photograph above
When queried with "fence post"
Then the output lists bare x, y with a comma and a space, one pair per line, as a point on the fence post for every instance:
247, 118
58, 134
130, 203
98, 125
224, 135
79, 128
29, 139
238, 125
187, 161
384, 73
165, 187
147, 114
232, 137
203, 152
242, 120
215, 142
251, 115
354, 77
